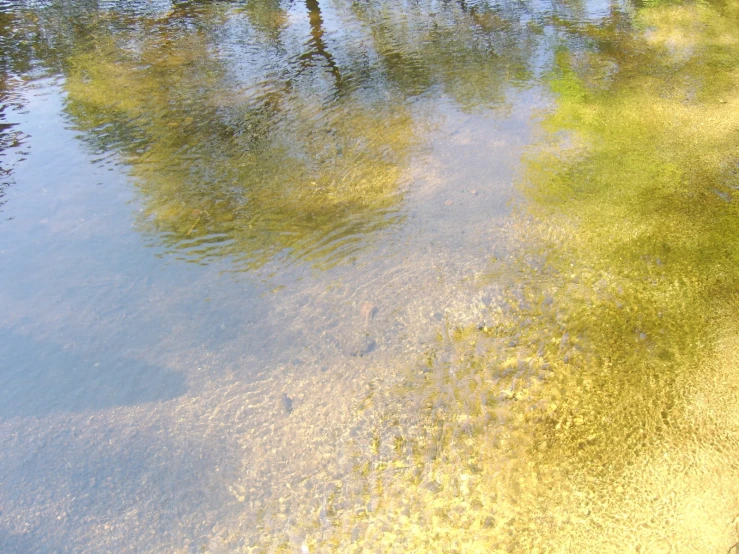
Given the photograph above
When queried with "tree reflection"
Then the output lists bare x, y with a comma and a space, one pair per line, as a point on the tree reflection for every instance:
15, 59
249, 138
317, 45
472, 54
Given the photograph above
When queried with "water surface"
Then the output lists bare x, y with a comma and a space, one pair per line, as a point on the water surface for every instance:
369, 276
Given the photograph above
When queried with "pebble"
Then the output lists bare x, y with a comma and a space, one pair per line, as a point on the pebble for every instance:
367, 310
287, 403
362, 346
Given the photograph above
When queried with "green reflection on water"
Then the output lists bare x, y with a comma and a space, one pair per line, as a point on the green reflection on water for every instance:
223, 173
244, 143
471, 54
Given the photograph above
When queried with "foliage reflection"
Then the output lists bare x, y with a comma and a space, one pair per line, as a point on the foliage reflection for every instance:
252, 137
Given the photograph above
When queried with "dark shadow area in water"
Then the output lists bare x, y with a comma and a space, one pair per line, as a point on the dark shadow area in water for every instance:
42, 378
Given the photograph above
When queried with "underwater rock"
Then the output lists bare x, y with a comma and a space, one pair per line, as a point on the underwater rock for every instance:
361, 346
287, 403
367, 310
357, 345
433, 486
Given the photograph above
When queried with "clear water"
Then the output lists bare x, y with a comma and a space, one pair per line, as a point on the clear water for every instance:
369, 276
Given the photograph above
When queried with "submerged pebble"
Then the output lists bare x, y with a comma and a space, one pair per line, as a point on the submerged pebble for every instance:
287, 403
367, 310
433, 486
362, 346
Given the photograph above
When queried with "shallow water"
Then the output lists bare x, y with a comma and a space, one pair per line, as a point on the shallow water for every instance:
336, 276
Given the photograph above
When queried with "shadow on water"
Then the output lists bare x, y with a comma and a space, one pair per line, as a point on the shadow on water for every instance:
42, 378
